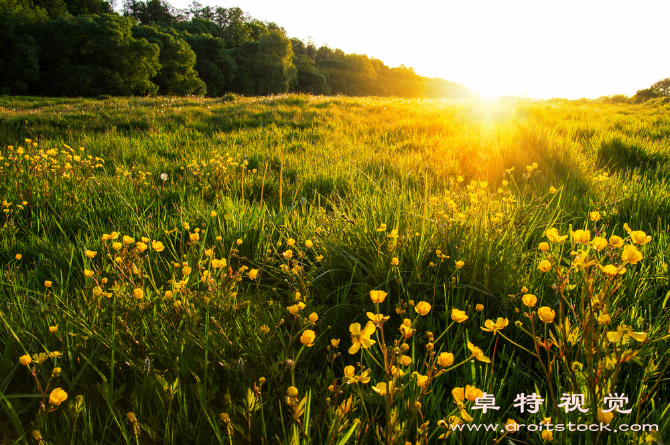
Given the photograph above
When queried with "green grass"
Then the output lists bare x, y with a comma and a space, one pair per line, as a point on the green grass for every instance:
329, 170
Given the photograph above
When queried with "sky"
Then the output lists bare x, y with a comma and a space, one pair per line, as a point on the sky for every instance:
539, 49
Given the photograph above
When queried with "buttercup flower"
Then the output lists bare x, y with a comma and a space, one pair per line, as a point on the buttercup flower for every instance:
554, 237
445, 359
349, 371
380, 388
313, 317
544, 266
605, 417
57, 397
599, 243
479, 307
25, 360
421, 380
582, 236
459, 264
623, 332
616, 241
546, 314
612, 271
307, 337
478, 353
292, 392
376, 318
361, 337
458, 315
395, 261
253, 273
90, 253
377, 296
552, 189
406, 360
472, 393
638, 236
543, 246
631, 255
595, 216
529, 300
422, 308
490, 326
157, 246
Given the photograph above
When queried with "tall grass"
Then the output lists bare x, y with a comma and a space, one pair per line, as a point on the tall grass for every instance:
366, 194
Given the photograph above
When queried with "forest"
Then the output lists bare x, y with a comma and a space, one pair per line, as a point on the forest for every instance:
83, 48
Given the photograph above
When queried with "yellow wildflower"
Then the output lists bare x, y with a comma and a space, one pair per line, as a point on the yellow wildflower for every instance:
157, 246
361, 337
595, 216
543, 246
377, 296
529, 300
490, 326
25, 360
478, 353
422, 307
616, 241
612, 271
554, 237
445, 359
458, 315
544, 266
57, 397
582, 236
90, 253
307, 337
631, 255
546, 314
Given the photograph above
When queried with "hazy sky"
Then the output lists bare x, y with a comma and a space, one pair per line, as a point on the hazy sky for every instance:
536, 48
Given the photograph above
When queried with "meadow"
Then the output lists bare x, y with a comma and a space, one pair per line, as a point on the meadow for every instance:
329, 270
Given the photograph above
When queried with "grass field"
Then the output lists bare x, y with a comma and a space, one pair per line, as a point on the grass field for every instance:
320, 270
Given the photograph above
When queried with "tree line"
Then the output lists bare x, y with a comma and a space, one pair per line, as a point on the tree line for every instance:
85, 48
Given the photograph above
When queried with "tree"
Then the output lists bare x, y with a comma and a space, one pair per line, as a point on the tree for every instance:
213, 63
92, 55
645, 95
265, 67
19, 54
177, 75
662, 87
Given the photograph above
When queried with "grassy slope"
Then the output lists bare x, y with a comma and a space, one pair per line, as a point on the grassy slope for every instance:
341, 167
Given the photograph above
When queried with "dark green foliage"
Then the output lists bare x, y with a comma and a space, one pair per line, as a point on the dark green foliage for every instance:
18, 50
351, 75
265, 67
309, 79
93, 55
214, 64
644, 95
662, 87
177, 75
219, 50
